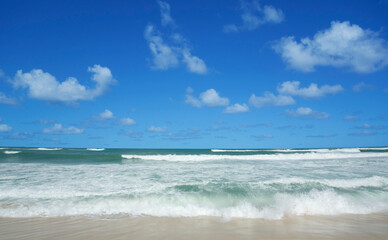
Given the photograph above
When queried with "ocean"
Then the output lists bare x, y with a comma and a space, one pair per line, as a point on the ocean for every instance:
267, 184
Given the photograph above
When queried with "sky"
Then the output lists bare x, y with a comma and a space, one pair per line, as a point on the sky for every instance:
194, 74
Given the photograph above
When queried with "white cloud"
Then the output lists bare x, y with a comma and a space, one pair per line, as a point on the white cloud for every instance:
194, 64
351, 118
269, 99
42, 85
127, 121
190, 99
170, 54
253, 16
236, 108
165, 14
7, 100
369, 126
58, 129
313, 91
105, 115
5, 128
272, 15
209, 98
164, 56
306, 112
157, 129
342, 45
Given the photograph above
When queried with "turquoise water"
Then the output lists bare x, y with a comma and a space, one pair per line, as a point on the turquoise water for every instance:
266, 184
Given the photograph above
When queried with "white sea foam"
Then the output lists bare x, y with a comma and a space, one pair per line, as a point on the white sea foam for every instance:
315, 202
95, 149
292, 156
47, 149
11, 152
375, 181
235, 150
375, 148
289, 150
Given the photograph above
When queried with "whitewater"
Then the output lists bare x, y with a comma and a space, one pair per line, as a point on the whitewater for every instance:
227, 183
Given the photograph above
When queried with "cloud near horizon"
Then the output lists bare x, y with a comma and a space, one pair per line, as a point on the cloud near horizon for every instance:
270, 99
305, 112
313, 91
58, 129
341, 45
44, 86
236, 108
157, 129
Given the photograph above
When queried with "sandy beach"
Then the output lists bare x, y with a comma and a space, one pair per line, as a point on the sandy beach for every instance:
371, 226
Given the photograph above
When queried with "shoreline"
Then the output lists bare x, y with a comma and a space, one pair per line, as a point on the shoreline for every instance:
369, 226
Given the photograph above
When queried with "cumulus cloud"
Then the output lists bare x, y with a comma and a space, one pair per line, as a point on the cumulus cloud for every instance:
342, 45
236, 108
313, 91
7, 100
270, 99
170, 54
157, 129
209, 98
58, 129
127, 121
44, 86
5, 128
194, 64
106, 115
253, 16
305, 112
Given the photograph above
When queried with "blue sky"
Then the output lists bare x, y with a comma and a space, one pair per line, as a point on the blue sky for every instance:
194, 74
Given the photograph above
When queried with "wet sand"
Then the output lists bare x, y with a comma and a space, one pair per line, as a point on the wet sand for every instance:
371, 226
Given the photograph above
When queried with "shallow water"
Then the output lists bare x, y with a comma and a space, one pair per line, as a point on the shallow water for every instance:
226, 184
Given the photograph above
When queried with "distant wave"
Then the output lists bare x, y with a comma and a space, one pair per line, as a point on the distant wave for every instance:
95, 149
320, 150
11, 152
375, 148
235, 150
48, 149
278, 156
